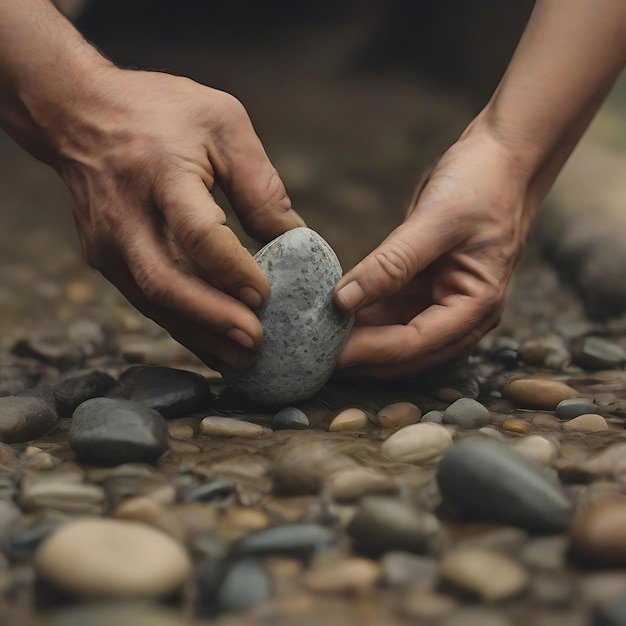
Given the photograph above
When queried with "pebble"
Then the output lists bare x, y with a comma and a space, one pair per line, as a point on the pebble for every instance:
23, 418
104, 558
403, 569
597, 535
466, 413
589, 423
9, 514
304, 331
573, 407
72, 392
519, 427
549, 351
122, 613
537, 449
225, 427
485, 573
290, 418
351, 575
245, 585
60, 495
171, 392
611, 613
488, 481
383, 524
417, 443
433, 417
538, 393
349, 420
598, 354
20, 542
545, 553
107, 431
398, 414
217, 489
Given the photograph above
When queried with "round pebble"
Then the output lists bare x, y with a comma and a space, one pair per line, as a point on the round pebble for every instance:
290, 418
417, 443
466, 413
354, 575
573, 407
104, 558
225, 427
538, 393
398, 414
537, 449
348, 420
432, 417
588, 423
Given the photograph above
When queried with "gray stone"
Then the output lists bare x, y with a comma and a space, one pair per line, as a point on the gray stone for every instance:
304, 331
105, 431
290, 418
245, 585
488, 481
466, 413
596, 353
217, 489
573, 407
434, 417
70, 393
610, 613
404, 569
24, 418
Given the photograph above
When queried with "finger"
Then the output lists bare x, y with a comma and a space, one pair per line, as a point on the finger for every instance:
198, 224
408, 250
249, 180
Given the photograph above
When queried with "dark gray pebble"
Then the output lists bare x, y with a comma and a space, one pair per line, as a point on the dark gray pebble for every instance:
20, 543
290, 418
245, 585
434, 417
72, 392
611, 613
466, 413
597, 354
217, 489
106, 431
488, 481
24, 418
573, 407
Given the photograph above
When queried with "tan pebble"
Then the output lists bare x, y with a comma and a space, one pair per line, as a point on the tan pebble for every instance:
538, 393
589, 423
239, 521
517, 426
447, 394
41, 461
485, 573
399, 414
214, 426
353, 483
536, 448
354, 575
80, 291
139, 509
417, 443
349, 419
597, 535
29, 451
163, 494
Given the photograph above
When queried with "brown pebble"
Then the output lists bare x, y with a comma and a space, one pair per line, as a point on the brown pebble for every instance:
398, 414
517, 426
80, 291
239, 521
538, 393
447, 394
353, 575
139, 509
589, 423
597, 535
348, 419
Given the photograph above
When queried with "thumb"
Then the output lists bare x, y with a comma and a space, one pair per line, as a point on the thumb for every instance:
408, 250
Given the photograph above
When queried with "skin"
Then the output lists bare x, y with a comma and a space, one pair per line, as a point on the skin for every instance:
141, 151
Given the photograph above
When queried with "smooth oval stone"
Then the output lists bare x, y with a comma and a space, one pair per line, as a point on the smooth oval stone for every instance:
384, 524
573, 407
520, 427
245, 585
215, 426
348, 420
171, 392
104, 558
466, 413
72, 392
538, 393
106, 431
597, 354
303, 330
351, 575
61, 495
398, 414
417, 443
589, 423
24, 418
537, 449
290, 418
488, 481
432, 417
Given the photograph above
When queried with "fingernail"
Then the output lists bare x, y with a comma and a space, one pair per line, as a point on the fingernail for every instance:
251, 297
243, 339
350, 296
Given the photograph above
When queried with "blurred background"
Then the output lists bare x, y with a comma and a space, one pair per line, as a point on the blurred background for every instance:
353, 100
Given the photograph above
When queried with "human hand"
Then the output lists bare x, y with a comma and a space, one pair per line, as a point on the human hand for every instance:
436, 284
140, 155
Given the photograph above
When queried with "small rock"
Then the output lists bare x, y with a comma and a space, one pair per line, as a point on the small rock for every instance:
403, 569
351, 575
61, 495
466, 413
549, 351
348, 420
520, 427
103, 558
589, 423
123, 613
225, 427
384, 524
538, 393
432, 417
303, 330
537, 449
217, 489
427, 607
598, 354
573, 407
485, 573
24, 419
106, 431
9, 514
244, 586
545, 554
72, 392
398, 414
611, 613
488, 481
290, 418
417, 443
597, 535
20, 542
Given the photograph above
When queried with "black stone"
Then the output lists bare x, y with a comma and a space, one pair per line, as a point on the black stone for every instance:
72, 392
290, 418
106, 431
487, 481
573, 407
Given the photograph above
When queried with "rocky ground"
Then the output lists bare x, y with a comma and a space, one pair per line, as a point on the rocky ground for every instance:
134, 488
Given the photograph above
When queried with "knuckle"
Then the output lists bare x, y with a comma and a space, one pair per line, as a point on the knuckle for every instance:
146, 276
397, 262
193, 230
230, 109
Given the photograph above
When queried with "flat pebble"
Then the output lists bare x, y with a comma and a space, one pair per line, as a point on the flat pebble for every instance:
217, 489
433, 417
23, 418
588, 423
383, 524
417, 443
349, 420
488, 481
107, 431
487, 574
290, 418
537, 393
67, 497
398, 414
104, 558
226, 427
466, 413
352, 575
598, 354
573, 407
597, 535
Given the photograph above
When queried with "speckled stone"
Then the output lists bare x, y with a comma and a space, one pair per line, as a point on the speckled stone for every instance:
304, 331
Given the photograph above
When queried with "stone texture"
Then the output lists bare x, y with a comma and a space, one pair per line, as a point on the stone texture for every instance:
23, 418
466, 413
73, 391
290, 418
538, 393
417, 443
304, 331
